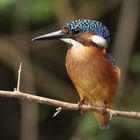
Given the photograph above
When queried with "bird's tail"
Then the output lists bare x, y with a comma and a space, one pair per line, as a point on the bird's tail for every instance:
103, 120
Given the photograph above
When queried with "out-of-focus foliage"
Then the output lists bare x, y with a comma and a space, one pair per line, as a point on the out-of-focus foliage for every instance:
135, 64
36, 11
40, 10
89, 130
6, 3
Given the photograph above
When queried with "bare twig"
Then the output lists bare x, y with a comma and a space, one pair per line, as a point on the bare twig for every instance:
19, 77
66, 105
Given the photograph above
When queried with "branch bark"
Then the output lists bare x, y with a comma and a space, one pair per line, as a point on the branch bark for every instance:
66, 105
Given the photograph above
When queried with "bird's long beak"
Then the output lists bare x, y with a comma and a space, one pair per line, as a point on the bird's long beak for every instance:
54, 35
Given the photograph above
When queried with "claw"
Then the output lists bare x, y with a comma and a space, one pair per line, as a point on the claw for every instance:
104, 108
80, 103
91, 104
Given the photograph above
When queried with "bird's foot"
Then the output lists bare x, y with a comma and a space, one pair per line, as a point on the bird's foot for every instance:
91, 104
80, 103
104, 109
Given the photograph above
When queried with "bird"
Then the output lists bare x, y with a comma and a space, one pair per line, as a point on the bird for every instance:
90, 66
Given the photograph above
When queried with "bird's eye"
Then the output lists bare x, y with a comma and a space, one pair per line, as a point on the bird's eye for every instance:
75, 31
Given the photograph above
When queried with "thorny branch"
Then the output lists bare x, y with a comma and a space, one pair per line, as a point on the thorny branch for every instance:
63, 105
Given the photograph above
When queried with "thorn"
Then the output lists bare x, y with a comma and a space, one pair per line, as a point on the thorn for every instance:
58, 110
19, 77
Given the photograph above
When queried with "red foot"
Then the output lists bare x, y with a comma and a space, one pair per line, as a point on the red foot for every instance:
104, 109
80, 103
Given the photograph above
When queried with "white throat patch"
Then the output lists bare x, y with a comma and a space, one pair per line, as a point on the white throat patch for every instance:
71, 41
100, 41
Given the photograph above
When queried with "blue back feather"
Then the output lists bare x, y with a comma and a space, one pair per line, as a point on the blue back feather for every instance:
110, 58
89, 25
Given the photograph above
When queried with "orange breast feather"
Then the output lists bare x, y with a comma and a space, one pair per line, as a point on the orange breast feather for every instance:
94, 77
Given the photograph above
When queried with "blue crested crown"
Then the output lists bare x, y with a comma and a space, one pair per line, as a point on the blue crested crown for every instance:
89, 25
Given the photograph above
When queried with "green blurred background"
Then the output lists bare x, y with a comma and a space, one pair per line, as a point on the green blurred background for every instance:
44, 73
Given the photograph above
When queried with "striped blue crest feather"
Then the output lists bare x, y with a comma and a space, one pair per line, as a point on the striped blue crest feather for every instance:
89, 25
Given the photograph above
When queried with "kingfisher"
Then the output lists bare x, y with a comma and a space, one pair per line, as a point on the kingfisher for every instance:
90, 66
